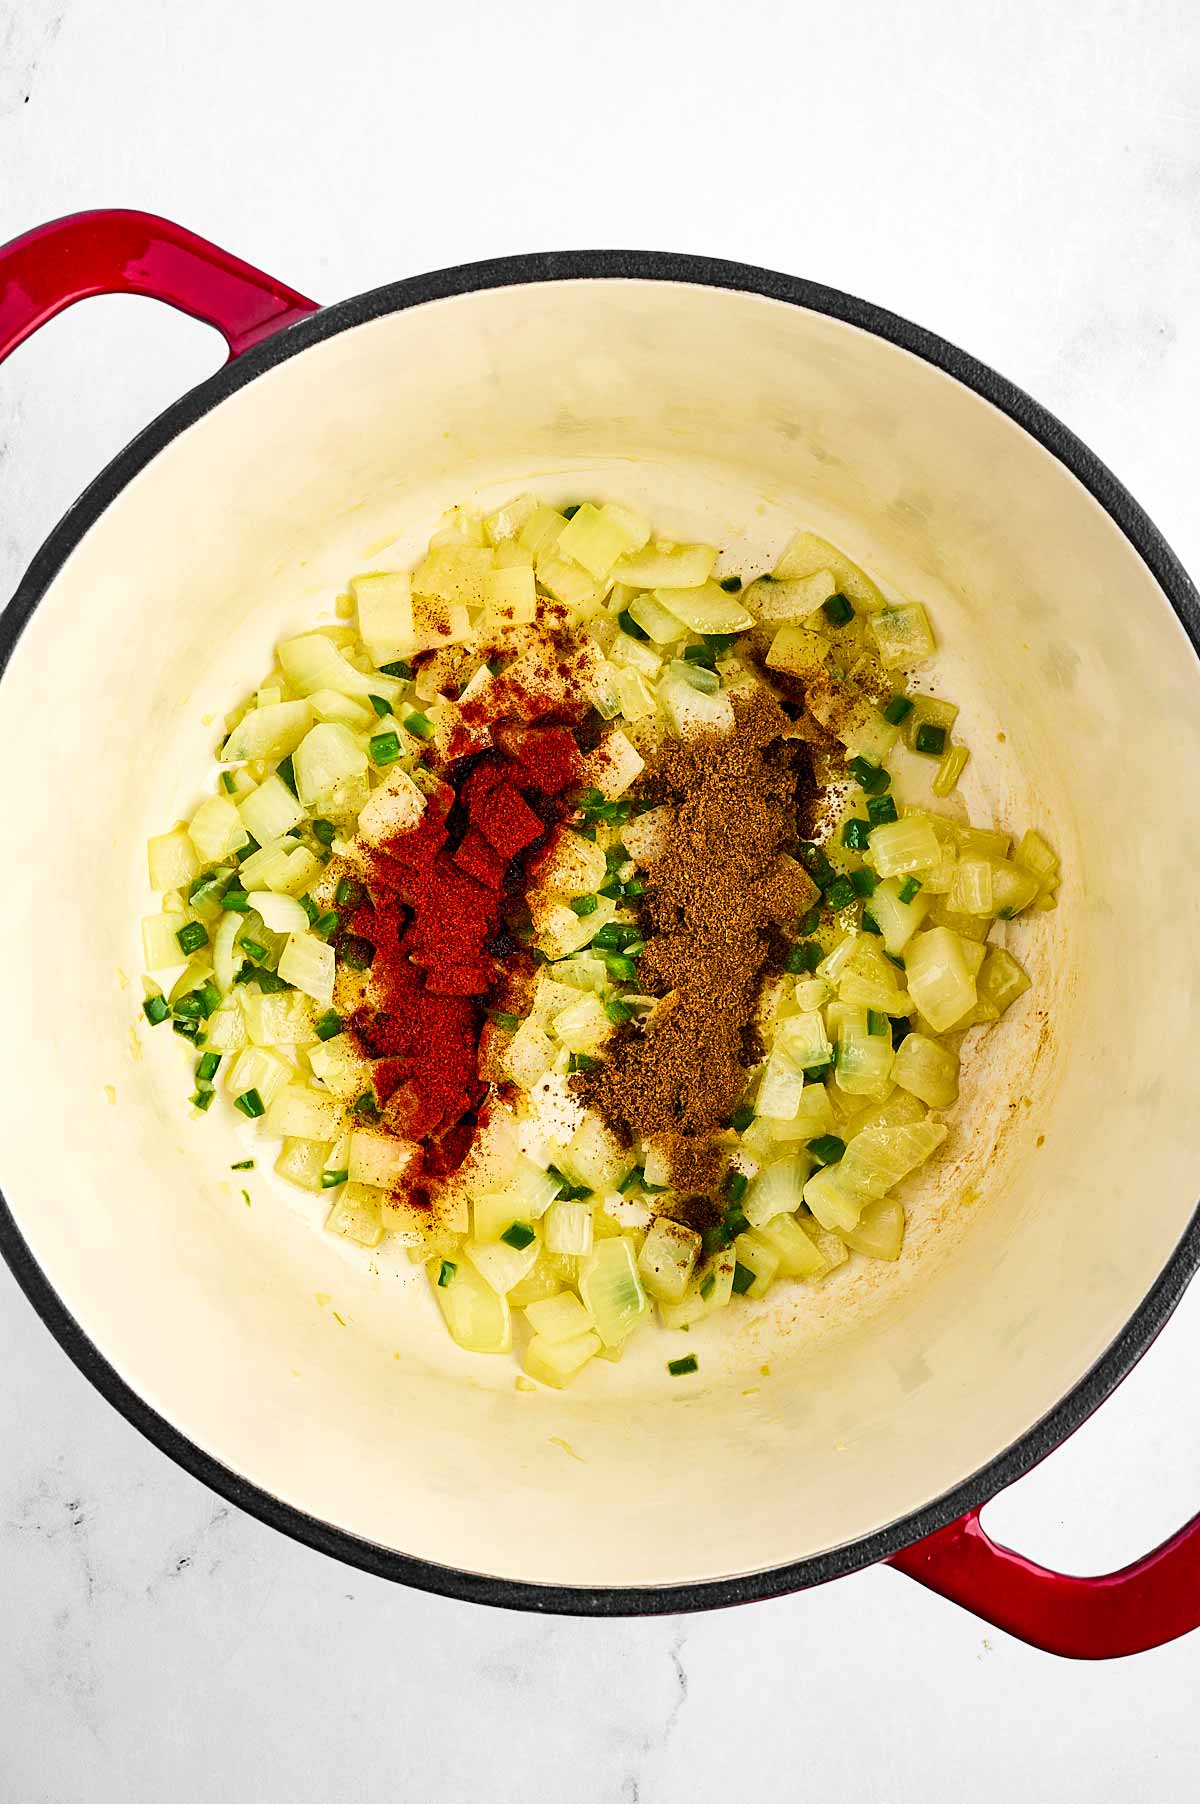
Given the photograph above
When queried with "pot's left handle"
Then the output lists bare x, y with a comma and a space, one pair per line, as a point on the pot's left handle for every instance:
117, 251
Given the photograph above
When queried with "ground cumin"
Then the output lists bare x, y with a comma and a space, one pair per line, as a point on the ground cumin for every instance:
717, 898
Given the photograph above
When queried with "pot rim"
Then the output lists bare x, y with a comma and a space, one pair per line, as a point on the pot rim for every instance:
1145, 1322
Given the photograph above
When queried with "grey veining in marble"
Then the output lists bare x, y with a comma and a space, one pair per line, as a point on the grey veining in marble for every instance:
1024, 180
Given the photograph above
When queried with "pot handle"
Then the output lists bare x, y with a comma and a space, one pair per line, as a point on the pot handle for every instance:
117, 251
1153, 1601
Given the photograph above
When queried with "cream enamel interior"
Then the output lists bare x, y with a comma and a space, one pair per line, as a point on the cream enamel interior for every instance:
324, 1377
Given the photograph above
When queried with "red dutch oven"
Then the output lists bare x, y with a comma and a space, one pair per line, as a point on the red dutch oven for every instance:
869, 1422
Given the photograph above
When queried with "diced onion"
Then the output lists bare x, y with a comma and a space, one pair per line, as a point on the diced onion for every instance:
927, 1070
611, 1289
902, 635
802, 1038
835, 962
709, 1288
282, 914
584, 1026
647, 835
663, 627
395, 807
225, 962
1036, 856
832, 1204
257, 1068
797, 652
808, 554
691, 712
896, 1110
173, 861
880, 1230
634, 695
568, 1227
971, 890
790, 601
267, 732
309, 964
226, 1029
869, 980
377, 1158
1013, 888
326, 755
656, 566
511, 596
557, 1362
635, 526
542, 527
632, 654
340, 1067
385, 614
879, 1158
667, 1259
355, 1215
905, 847
566, 580
280, 1018
454, 573
757, 1255
938, 979
217, 830
160, 946
796, 1251
866, 734
529, 1054
302, 1162
811, 993
864, 1064
897, 920
813, 1117
500, 1265
268, 812
494, 1151
778, 1189
706, 608
614, 765
558, 1318
594, 1155
505, 523
280, 865
596, 537
476, 1315
560, 931
1001, 979
980, 842
928, 711
304, 1113
528, 1193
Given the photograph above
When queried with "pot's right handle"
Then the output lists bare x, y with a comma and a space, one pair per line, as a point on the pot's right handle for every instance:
117, 251
1156, 1599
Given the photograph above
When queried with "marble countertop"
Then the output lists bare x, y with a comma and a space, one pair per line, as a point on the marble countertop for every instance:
1025, 181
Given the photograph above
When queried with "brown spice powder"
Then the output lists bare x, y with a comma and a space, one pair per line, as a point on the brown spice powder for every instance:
724, 884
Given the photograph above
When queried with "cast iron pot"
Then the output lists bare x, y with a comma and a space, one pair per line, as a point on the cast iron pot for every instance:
826, 1430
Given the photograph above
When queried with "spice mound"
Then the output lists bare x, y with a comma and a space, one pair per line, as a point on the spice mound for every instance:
722, 887
436, 898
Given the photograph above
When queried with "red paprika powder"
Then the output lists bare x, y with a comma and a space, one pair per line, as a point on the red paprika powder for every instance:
436, 899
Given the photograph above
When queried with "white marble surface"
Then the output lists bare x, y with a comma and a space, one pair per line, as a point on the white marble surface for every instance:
1025, 180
